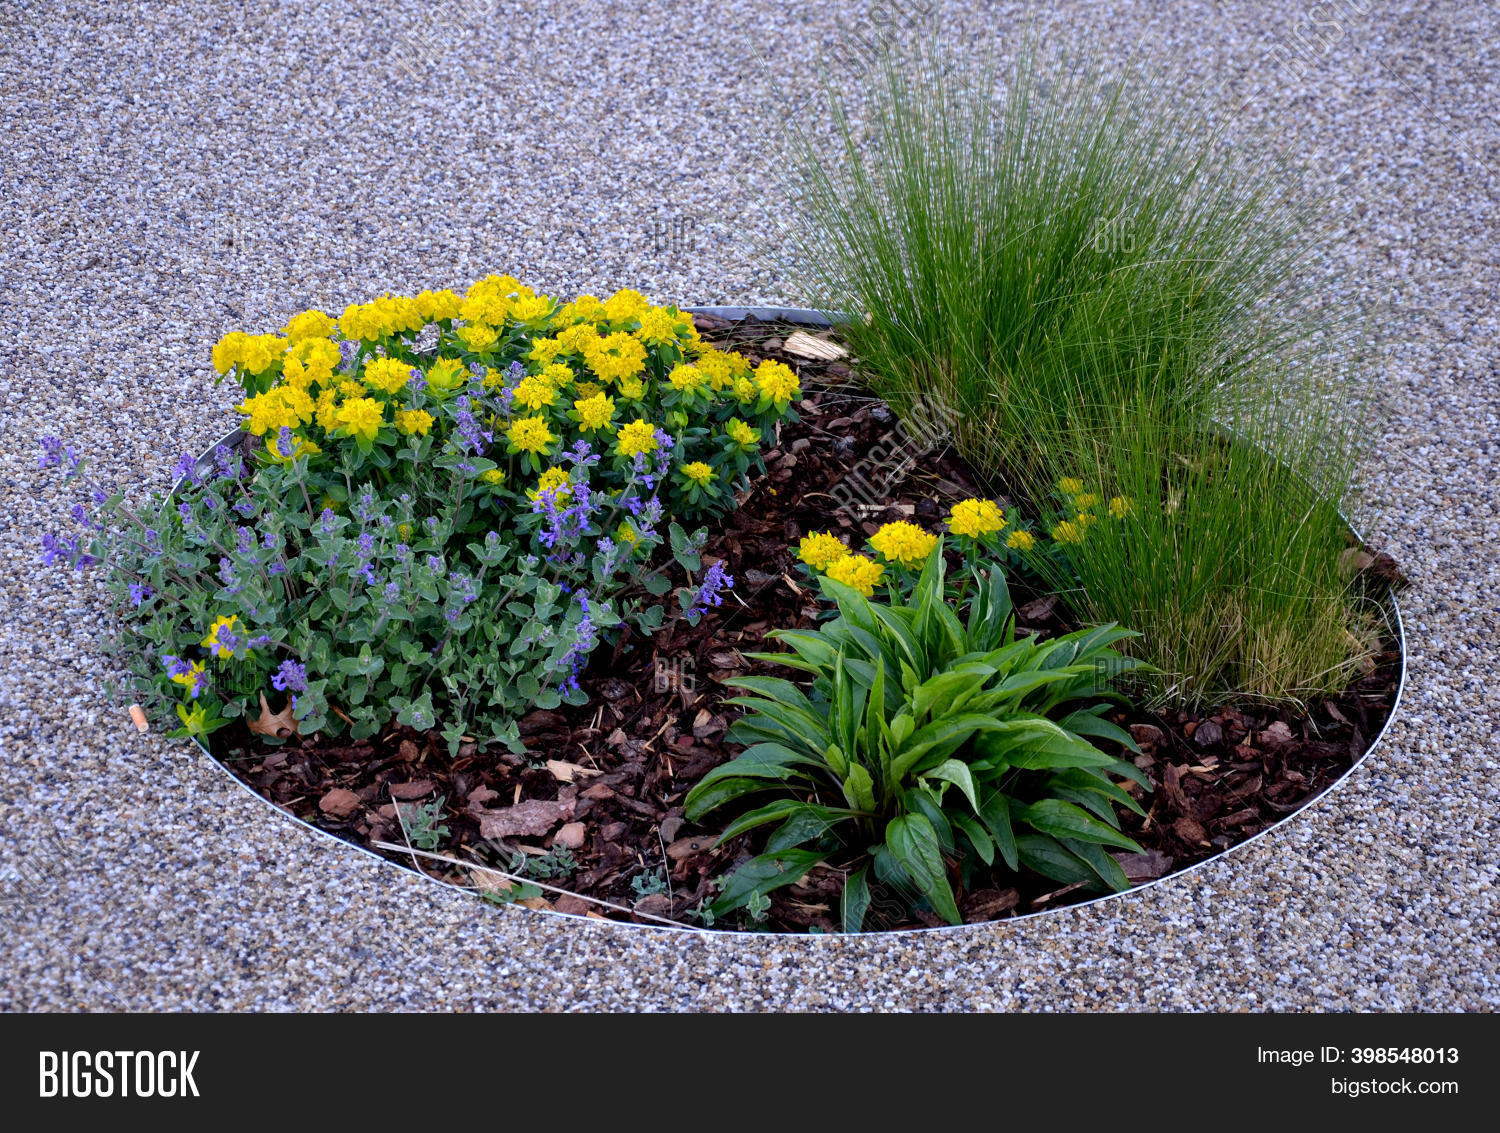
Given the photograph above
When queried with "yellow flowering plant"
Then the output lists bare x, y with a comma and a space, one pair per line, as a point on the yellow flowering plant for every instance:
438, 533
979, 531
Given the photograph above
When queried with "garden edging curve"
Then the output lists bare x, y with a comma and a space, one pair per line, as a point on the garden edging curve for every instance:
808, 317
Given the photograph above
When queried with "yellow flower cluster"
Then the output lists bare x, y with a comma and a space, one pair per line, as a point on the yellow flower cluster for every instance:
361, 417
413, 422
903, 543
530, 434
310, 362
1083, 505
615, 357
220, 649
594, 413
741, 433
1068, 531
535, 392
253, 353
496, 298
776, 381
975, 518
478, 338
388, 315
824, 551
1019, 540
686, 378
301, 447
638, 436
561, 372
821, 549
435, 306
388, 375
554, 480
279, 407
309, 324
857, 572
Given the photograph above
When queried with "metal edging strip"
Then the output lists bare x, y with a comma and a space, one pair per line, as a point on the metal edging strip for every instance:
813, 318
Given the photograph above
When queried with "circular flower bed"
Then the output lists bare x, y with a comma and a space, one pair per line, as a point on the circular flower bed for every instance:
486, 583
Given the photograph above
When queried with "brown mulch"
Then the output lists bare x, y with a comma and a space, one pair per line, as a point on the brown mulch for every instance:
596, 804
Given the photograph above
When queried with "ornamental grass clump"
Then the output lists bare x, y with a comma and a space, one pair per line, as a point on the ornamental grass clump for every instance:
442, 506
1094, 280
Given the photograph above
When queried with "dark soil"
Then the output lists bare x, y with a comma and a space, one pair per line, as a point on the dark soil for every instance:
603, 785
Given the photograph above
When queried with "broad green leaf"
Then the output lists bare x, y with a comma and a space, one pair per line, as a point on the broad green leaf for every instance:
1050, 858
774, 688
1103, 864
855, 901
983, 844
771, 812
763, 874
919, 800
901, 635
995, 814
1093, 781
859, 789
1065, 820
877, 735
1089, 723
914, 844
705, 797
945, 692
1096, 804
955, 772
1019, 684
796, 722
853, 605
807, 821
941, 737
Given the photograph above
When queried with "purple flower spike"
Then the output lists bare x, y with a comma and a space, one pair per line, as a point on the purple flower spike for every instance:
187, 469
290, 676
709, 592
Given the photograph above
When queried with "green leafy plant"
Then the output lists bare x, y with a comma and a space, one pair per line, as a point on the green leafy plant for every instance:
557, 863
649, 884
421, 823
927, 739
443, 505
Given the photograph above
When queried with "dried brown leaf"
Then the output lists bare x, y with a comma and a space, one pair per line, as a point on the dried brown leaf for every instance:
532, 818
279, 724
566, 772
339, 803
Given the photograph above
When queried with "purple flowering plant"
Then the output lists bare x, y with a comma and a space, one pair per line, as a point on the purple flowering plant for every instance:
437, 533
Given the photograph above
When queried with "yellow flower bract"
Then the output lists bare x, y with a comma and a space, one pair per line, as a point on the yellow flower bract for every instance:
821, 549
414, 421
530, 434
975, 518
903, 543
361, 417
638, 436
858, 572
776, 381
594, 413
1020, 540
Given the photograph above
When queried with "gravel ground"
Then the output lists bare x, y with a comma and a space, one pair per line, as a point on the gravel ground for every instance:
176, 170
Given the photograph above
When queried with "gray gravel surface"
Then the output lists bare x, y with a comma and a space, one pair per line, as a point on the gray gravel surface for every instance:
172, 171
